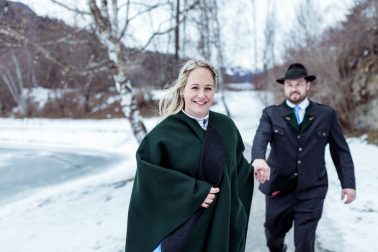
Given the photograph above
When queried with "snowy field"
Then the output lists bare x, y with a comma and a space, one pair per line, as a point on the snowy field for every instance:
89, 213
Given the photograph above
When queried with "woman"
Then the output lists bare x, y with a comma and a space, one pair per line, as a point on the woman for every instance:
193, 187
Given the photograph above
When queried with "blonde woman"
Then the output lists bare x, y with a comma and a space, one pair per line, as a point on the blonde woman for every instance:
193, 187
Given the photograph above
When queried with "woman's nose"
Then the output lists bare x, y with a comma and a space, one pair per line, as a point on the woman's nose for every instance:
201, 94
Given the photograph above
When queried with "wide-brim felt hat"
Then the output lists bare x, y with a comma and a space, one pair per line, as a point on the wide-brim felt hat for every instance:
296, 71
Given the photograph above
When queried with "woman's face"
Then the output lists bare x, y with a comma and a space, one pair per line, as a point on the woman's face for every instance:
199, 92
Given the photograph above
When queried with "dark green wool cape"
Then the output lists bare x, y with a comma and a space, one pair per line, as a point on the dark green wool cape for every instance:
167, 191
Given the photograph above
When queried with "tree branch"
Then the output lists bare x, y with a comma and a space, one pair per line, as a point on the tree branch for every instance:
5, 30
67, 7
150, 8
66, 68
151, 38
102, 22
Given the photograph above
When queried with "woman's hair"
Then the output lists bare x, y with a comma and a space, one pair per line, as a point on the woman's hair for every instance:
172, 102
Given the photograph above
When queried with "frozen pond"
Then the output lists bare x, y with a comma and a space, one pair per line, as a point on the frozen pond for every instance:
25, 170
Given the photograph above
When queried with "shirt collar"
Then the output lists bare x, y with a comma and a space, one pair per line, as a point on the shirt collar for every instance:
200, 120
303, 105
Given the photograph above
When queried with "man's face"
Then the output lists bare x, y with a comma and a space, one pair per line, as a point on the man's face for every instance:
296, 90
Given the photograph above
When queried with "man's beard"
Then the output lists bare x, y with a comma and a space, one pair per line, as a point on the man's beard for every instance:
299, 98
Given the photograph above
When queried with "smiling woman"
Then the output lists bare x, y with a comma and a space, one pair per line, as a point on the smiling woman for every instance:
193, 187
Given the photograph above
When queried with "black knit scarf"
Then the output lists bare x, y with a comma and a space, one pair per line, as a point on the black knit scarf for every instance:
211, 170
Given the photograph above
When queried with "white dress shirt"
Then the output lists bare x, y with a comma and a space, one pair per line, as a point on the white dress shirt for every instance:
202, 121
303, 105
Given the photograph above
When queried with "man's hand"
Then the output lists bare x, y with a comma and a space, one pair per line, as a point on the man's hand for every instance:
262, 170
210, 197
348, 195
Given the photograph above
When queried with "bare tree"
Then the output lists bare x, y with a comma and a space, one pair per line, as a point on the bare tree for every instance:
106, 16
217, 42
204, 15
307, 26
255, 45
112, 21
25, 41
268, 52
269, 35
14, 82
204, 29
107, 31
177, 32
13, 73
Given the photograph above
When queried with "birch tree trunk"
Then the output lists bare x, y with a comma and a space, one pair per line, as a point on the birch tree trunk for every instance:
219, 48
12, 77
107, 31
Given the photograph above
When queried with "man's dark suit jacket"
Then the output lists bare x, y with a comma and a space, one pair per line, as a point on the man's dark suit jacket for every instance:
298, 151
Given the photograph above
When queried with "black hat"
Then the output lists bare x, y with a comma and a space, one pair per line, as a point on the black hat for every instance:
295, 71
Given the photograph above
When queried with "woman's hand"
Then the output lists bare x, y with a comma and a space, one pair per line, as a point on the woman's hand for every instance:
262, 170
210, 197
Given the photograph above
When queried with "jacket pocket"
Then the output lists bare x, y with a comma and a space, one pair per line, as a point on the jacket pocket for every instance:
322, 133
278, 130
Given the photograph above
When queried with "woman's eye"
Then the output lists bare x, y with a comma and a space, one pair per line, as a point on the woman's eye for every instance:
194, 87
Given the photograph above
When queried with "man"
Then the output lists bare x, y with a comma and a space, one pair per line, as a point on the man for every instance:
294, 177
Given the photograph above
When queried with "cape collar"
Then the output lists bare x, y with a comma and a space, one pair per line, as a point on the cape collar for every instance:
193, 124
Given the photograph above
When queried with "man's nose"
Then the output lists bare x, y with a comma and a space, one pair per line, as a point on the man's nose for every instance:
296, 88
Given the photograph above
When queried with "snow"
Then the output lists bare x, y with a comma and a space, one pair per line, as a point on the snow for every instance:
89, 213
39, 95
80, 215
356, 223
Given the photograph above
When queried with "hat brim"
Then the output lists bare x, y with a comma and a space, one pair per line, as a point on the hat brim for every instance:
307, 78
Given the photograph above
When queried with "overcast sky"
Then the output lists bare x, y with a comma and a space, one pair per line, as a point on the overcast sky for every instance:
238, 29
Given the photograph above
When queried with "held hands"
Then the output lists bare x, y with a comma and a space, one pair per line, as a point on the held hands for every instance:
210, 197
348, 195
262, 170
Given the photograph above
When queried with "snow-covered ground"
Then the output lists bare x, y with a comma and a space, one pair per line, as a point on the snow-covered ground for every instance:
89, 213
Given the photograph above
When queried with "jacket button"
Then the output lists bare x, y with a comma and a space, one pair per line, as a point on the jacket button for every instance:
298, 137
300, 149
324, 134
299, 161
295, 174
276, 130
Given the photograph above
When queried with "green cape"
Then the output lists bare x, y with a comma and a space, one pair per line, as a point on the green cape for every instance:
166, 190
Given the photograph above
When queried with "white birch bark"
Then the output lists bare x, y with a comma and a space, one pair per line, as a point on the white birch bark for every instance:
106, 30
14, 82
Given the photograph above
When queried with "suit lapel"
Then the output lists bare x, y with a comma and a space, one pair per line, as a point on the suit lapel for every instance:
288, 116
308, 118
